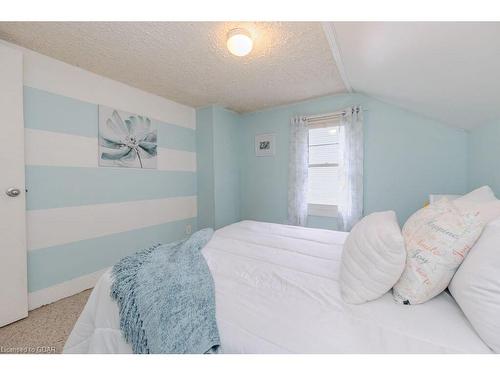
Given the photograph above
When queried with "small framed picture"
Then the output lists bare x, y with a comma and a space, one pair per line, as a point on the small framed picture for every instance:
265, 144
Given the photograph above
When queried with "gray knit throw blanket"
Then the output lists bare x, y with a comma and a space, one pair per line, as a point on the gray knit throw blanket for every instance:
166, 298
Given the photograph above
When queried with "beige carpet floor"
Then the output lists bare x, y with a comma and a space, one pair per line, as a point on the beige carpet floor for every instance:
46, 329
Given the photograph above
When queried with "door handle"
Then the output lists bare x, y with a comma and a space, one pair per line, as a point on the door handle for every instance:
13, 192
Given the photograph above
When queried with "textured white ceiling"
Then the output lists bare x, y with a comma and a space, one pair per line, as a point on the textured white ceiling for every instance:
188, 62
445, 70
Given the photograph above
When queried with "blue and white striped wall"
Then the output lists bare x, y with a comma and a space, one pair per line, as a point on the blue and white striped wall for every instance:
81, 218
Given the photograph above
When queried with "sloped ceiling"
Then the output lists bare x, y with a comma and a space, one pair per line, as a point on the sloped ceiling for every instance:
447, 71
188, 61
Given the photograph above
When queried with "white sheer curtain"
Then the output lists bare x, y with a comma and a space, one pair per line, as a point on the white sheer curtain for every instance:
350, 207
298, 165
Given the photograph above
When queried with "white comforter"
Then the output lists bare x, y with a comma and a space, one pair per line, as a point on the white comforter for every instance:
277, 292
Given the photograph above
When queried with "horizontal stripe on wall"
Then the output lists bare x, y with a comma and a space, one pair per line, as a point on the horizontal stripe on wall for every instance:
59, 226
47, 111
56, 113
176, 137
67, 150
176, 160
52, 187
59, 149
57, 264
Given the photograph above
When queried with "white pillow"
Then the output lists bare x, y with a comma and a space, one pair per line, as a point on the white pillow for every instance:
485, 211
482, 202
480, 195
373, 258
437, 239
476, 286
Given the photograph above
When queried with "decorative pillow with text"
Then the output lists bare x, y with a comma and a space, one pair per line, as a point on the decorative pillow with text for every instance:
437, 239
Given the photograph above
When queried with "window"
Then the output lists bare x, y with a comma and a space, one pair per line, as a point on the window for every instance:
323, 169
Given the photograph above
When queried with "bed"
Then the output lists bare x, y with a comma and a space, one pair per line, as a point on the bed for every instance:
277, 291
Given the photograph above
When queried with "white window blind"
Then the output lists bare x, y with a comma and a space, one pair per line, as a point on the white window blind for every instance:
323, 165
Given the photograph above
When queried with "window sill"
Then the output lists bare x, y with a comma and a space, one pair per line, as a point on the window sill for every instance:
326, 210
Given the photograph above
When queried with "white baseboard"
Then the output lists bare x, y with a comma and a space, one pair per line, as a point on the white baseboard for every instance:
63, 290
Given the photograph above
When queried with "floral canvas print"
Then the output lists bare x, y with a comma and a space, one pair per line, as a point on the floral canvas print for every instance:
126, 140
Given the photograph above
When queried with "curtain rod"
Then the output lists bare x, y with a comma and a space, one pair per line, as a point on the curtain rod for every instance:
327, 116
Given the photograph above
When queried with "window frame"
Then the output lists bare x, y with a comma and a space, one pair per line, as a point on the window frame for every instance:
315, 209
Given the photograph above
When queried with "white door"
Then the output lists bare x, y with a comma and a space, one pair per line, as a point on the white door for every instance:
13, 267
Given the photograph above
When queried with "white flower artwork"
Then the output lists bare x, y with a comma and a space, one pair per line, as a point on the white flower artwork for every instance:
126, 140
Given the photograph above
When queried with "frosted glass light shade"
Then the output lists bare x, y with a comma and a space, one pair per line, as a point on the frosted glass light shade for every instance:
239, 42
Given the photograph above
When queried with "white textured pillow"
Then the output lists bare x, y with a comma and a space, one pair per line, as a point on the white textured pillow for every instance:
476, 286
486, 211
480, 195
482, 202
373, 258
437, 239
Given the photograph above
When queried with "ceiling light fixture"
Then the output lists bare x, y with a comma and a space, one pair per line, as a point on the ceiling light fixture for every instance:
239, 42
